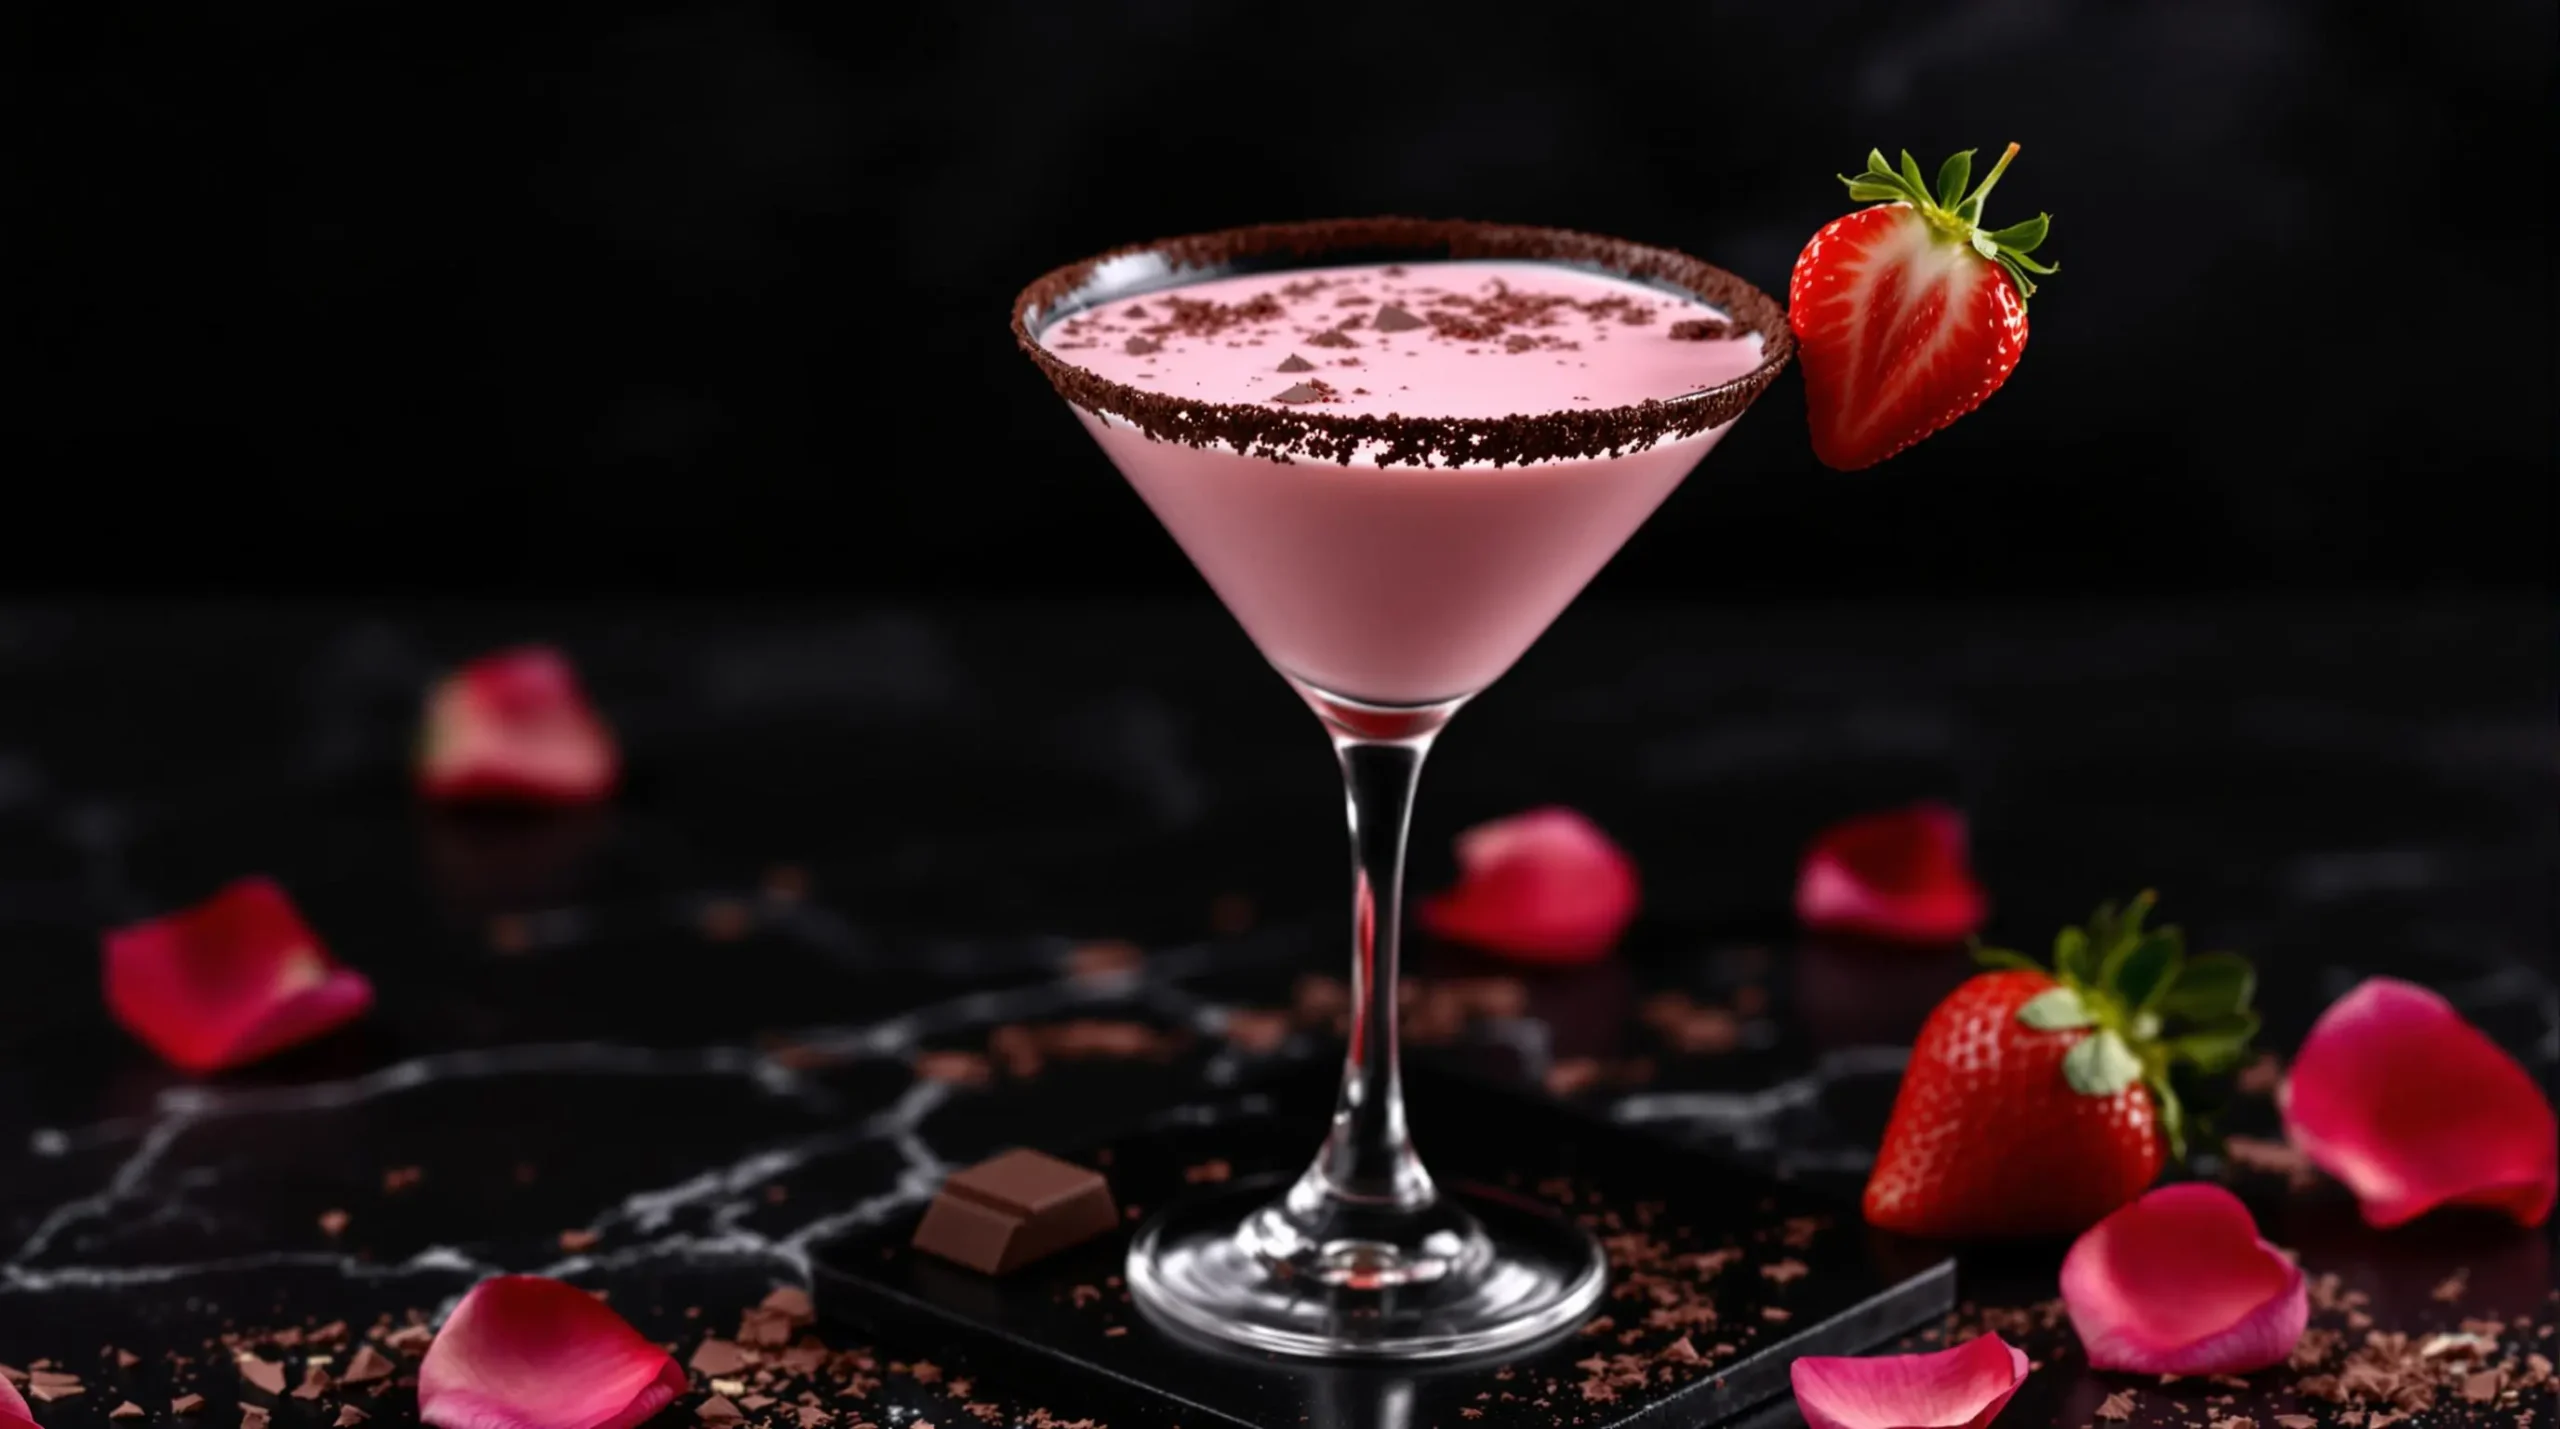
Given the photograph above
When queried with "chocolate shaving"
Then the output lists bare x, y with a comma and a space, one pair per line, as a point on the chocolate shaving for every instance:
369, 1365
128, 1410
263, 1374
1701, 330
1295, 363
1306, 392
1141, 346
186, 1404
1332, 337
349, 1416
1258, 429
1394, 318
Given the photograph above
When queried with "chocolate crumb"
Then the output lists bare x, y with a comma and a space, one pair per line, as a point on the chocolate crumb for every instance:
1141, 346
333, 1224
1306, 392
1115, 1332
1333, 337
715, 1357
186, 1404
128, 1410
315, 1382
127, 1359
349, 1416
1701, 330
1295, 363
2118, 1406
719, 1410
2452, 1286
411, 1339
1775, 1315
369, 1365
1681, 1351
1394, 318
252, 1417
1785, 1271
578, 1242
2483, 1386
2297, 1421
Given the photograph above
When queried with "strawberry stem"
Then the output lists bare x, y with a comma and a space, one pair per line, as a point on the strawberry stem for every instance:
1971, 209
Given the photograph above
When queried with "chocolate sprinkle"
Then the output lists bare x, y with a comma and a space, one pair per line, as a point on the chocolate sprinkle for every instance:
1297, 364
1258, 429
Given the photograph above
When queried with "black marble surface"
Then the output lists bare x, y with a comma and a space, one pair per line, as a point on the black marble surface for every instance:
685, 1023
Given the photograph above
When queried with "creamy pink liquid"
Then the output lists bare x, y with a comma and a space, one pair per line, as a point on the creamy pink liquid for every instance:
1402, 584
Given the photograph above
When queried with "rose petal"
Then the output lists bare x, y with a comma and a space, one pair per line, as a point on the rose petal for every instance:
1901, 875
14, 1413
523, 1352
2414, 1108
515, 727
1961, 1388
2178, 1282
233, 979
1545, 886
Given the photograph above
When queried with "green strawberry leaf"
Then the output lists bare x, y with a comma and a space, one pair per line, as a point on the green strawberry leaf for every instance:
2173, 1116
2004, 959
2140, 972
1911, 174
2072, 958
2211, 985
2217, 1045
2100, 1064
2054, 1010
1953, 175
2024, 237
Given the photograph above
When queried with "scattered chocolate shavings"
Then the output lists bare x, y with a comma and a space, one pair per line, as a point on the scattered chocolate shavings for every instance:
368, 1365
1101, 961
2482, 1386
49, 1389
186, 1404
1785, 1272
1394, 318
2235, 1421
252, 1417
1134, 310
127, 1359
333, 1223
764, 1329
1141, 346
1256, 1031
262, 1374
2274, 1158
1208, 1173
411, 1339
1681, 1351
716, 1357
1701, 330
2451, 1288
792, 1303
1115, 1332
1295, 363
2118, 1406
349, 1416
128, 1410
1332, 337
1776, 1314
718, 1409
959, 1069
1306, 392
315, 1382
578, 1242
758, 1403
401, 1178
1798, 1232
2297, 1421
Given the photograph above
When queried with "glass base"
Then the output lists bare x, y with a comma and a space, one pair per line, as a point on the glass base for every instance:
1309, 1274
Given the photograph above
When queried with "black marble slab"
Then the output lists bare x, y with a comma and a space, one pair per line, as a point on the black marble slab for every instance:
682, 1029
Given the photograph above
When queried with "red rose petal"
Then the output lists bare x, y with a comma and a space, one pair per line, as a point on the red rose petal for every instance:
516, 727
1546, 886
236, 978
14, 1413
523, 1352
2178, 1282
1901, 875
2414, 1108
1961, 1388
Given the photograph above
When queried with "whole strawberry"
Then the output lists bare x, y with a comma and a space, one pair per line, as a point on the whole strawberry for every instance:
2036, 1102
1909, 314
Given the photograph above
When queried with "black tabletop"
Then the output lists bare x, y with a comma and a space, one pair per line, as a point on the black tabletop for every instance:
663, 1047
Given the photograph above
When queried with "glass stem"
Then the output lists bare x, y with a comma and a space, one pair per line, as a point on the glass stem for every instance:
1368, 1156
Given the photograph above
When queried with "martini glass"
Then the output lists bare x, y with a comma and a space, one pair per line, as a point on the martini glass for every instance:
1389, 567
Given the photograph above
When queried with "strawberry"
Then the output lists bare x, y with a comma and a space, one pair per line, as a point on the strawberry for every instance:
2037, 1101
1909, 314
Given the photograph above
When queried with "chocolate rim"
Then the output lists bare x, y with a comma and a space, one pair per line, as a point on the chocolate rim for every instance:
1285, 433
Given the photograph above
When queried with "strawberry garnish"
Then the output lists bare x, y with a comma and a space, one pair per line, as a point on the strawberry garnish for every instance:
2038, 1100
1909, 314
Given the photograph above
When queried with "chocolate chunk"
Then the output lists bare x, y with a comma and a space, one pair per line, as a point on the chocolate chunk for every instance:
349, 1416
1332, 337
1393, 318
263, 1374
128, 1410
1141, 346
1303, 392
791, 1303
1297, 364
315, 1382
186, 1404
333, 1223
1004, 1213
369, 1365
718, 1410
716, 1357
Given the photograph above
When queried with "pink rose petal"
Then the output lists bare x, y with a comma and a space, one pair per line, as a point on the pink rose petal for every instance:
1546, 886
516, 727
14, 1413
1961, 1388
236, 978
523, 1352
2178, 1282
2414, 1108
1902, 875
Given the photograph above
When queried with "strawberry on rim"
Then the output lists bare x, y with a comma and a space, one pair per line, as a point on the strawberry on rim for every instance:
1910, 313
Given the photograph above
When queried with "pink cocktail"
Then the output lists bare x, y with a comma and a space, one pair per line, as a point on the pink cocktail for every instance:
1396, 449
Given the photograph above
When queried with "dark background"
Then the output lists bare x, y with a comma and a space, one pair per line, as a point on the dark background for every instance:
398, 296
